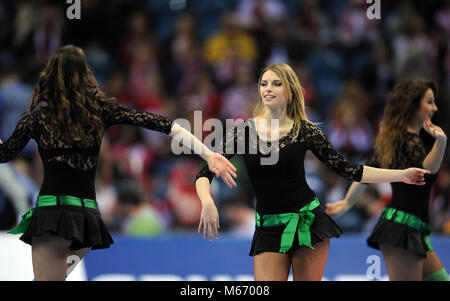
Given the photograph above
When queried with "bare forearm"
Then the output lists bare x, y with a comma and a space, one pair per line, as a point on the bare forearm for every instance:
353, 193
433, 160
378, 175
180, 134
202, 186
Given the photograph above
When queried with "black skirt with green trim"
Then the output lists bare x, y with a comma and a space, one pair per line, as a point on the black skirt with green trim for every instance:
83, 226
268, 239
397, 235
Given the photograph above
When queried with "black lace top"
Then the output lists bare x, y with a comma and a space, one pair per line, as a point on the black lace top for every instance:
68, 168
276, 169
411, 152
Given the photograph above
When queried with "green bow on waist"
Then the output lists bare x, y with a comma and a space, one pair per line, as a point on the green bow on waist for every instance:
299, 222
51, 200
25, 221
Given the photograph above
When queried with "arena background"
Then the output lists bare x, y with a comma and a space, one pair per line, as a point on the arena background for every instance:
175, 57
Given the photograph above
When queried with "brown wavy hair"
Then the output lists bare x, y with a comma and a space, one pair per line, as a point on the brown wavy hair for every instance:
402, 105
73, 97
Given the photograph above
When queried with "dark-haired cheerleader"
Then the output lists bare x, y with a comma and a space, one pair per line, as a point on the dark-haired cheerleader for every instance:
402, 232
68, 117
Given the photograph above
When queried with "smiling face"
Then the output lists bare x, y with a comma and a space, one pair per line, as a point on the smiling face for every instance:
427, 107
272, 91
280, 91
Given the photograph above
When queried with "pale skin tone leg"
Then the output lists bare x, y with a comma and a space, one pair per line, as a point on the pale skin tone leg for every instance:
271, 266
49, 255
431, 264
405, 265
307, 264
71, 264
402, 265
50, 258
80, 253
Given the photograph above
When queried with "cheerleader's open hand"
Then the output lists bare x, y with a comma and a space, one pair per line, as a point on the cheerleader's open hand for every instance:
414, 176
223, 168
209, 221
337, 208
434, 131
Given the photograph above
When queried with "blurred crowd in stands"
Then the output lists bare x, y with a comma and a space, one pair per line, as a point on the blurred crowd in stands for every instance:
175, 57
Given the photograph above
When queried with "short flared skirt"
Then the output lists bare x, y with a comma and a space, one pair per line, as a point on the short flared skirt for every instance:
83, 226
268, 239
397, 235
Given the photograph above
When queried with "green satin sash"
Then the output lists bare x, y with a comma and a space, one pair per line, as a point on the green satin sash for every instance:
410, 220
295, 222
51, 200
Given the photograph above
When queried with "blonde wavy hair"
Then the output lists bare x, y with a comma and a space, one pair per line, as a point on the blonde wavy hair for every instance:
293, 90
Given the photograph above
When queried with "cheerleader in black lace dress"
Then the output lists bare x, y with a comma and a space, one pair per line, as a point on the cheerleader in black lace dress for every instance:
402, 231
292, 228
67, 118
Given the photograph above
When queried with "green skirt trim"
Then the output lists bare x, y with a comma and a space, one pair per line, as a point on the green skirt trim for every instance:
51, 200
410, 220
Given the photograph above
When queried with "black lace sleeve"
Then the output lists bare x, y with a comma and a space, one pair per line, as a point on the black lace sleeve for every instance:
234, 144
319, 144
18, 140
115, 113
